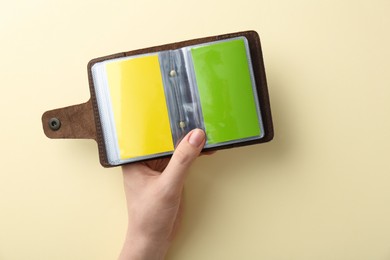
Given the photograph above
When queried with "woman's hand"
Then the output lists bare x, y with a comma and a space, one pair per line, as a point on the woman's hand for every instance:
154, 197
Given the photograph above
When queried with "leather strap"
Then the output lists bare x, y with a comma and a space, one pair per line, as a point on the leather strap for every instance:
76, 122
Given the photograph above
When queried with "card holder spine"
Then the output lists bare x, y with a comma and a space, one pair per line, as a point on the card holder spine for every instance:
182, 99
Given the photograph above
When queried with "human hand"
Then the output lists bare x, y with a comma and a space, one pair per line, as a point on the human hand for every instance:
154, 199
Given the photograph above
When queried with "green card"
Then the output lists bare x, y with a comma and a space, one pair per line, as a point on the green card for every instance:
226, 92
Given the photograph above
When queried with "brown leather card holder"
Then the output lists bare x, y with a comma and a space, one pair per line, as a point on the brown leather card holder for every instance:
83, 120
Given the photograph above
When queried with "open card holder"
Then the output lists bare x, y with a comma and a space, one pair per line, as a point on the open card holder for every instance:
144, 102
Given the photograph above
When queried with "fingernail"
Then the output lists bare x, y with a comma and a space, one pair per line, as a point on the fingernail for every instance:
197, 137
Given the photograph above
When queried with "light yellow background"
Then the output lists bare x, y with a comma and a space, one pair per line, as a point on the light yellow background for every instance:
319, 190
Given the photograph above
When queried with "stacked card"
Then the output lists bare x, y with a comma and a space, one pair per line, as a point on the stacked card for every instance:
148, 102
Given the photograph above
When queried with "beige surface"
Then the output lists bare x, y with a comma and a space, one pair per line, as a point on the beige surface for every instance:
320, 190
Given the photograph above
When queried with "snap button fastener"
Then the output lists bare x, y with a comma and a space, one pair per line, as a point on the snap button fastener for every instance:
182, 124
172, 73
54, 124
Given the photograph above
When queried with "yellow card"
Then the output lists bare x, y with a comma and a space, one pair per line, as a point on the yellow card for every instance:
139, 106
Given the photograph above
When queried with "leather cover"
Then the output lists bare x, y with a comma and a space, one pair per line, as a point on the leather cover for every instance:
82, 121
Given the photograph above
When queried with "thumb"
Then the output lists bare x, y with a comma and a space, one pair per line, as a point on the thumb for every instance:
185, 153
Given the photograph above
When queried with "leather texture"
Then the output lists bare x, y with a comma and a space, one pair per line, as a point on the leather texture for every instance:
76, 122
83, 121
